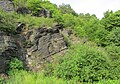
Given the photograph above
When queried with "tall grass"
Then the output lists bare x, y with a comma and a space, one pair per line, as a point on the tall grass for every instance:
36, 21
24, 77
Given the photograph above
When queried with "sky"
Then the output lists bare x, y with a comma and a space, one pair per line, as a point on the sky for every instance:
97, 7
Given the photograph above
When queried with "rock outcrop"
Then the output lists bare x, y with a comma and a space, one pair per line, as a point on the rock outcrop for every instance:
33, 47
6, 5
43, 43
9, 48
43, 13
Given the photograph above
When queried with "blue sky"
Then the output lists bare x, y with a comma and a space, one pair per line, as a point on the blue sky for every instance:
97, 7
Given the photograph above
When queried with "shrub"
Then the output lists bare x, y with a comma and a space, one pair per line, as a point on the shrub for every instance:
68, 20
66, 9
15, 64
113, 52
7, 22
111, 23
114, 56
112, 20
83, 63
114, 37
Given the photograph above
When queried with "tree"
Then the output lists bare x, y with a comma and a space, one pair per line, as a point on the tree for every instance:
66, 9
108, 13
111, 20
111, 23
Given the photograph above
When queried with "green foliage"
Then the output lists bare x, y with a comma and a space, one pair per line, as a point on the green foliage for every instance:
15, 64
108, 82
107, 14
7, 22
113, 52
1, 79
84, 25
66, 9
114, 56
36, 22
111, 21
104, 32
68, 20
24, 77
54, 9
36, 5
83, 63
112, 26
88, 64
100, 36
19, 3
114, 37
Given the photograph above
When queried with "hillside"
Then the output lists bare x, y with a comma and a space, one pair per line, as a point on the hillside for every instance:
42, 43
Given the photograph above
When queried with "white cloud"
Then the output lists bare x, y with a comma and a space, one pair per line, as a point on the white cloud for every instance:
97, 7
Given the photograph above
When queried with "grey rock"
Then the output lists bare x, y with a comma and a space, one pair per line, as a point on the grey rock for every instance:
46, 42
20, 27
6, 5
9, 48
23, 10
3, 65
66, 32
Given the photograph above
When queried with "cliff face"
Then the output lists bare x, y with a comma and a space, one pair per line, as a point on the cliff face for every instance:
33, 47
6, 5
43, 43
9, 48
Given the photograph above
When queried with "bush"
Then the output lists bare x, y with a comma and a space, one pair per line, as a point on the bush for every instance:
15, 64
68, 20
114, 37
112, 20
114, 56
7, 22
83, 63
111, 23
113, 52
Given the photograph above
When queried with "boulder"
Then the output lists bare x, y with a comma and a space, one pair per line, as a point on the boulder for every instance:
66, 32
